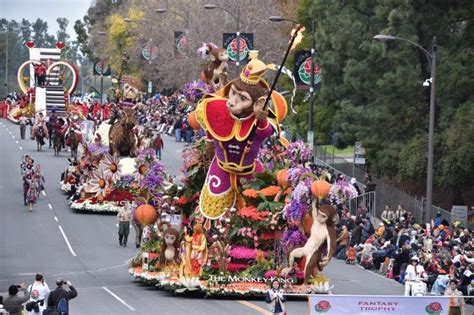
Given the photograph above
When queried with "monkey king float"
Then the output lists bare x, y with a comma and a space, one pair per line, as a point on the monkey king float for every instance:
248, 214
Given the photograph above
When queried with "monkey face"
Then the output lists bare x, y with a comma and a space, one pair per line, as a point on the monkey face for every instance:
239, 103
223, 56
170, 239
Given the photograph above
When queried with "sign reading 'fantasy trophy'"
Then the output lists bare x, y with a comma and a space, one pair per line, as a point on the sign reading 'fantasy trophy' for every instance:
377, 305
230, 44
302, 70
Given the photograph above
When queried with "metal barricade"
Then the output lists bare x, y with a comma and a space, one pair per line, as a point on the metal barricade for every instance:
366, 201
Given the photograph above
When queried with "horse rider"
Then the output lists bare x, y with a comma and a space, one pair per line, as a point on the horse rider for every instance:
73, 126
40, 125
52, 120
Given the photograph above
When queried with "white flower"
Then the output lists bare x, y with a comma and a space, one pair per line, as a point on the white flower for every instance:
190, 282
320, 287
141, 171
99, 183
111, 166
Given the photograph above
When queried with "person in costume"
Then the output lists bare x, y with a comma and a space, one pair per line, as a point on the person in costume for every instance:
237, 122
198, 251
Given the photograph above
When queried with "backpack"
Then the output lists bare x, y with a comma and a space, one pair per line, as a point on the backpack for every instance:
62, 306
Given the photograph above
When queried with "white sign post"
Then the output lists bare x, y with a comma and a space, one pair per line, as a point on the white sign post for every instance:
459, 213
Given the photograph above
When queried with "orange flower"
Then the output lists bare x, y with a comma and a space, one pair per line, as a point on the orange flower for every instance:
270, 191
251, 193
251, 212
287, 191
182, 200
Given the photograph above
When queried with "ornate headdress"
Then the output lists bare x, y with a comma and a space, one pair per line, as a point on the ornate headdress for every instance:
253, 72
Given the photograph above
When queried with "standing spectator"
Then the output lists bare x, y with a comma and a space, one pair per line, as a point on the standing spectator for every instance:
275, 299
401, 212
356, 187
388, 215
14, 303
23, 122
59, 298
39, 292
159, 145
188, 132
124, 216
456, 300
177, 130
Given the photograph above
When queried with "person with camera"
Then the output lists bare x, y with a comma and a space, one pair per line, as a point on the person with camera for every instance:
58, 300
13, 303
39, 292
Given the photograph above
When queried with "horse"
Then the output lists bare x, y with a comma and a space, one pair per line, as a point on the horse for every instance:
73, 142
57, 138
39, 137
122, 139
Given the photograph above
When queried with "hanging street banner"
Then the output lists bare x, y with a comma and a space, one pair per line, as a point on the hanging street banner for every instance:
302, 70
149, 52
377, 305
101, 68
180, 43
230, 44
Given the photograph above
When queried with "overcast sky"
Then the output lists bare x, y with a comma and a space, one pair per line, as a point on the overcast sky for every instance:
48, 10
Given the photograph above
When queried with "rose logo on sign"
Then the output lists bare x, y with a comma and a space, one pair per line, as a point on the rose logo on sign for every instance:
322, 307
100, 67
232, 49
149, 52
434, 308
304, 72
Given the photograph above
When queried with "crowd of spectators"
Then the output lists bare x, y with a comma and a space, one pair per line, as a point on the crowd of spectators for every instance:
398, 246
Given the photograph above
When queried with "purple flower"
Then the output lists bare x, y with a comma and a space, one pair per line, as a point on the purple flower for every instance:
154, 178
293, 237
298, 153
295, 173
194, 91
295, 210
301, 192
96, 149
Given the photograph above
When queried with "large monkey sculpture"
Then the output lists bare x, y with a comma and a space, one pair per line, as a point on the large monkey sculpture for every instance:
169, 253
323, 230
215, 72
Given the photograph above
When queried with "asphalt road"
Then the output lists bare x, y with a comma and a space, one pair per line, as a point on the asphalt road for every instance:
83, 248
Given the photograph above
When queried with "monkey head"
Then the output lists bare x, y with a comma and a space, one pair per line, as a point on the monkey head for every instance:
326, 214
219, 54
171, 237
244, 100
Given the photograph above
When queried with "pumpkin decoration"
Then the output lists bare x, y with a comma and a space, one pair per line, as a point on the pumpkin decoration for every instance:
307, 224
193, 121
282, 178
320, 188
145, 214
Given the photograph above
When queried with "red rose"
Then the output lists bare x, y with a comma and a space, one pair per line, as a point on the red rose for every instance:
324, 305
435, 307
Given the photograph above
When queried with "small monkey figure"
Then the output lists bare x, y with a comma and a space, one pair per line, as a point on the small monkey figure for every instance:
215, 72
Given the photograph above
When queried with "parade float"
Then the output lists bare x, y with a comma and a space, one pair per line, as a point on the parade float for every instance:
110, 173
47, 82
250, 208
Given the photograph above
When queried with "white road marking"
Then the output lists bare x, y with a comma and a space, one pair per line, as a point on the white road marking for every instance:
16, 141
13, 137
119, 299
44, 194
56, 219
50, 206
27, 274
67, 241
21, 148
127, 261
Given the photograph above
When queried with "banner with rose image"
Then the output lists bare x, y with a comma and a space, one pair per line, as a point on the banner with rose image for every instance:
377, 305
230, 44
302, 70
180, 43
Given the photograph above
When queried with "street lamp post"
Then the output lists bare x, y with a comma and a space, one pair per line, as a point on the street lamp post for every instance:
312, 89
237, 18
432, 59
6, 64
